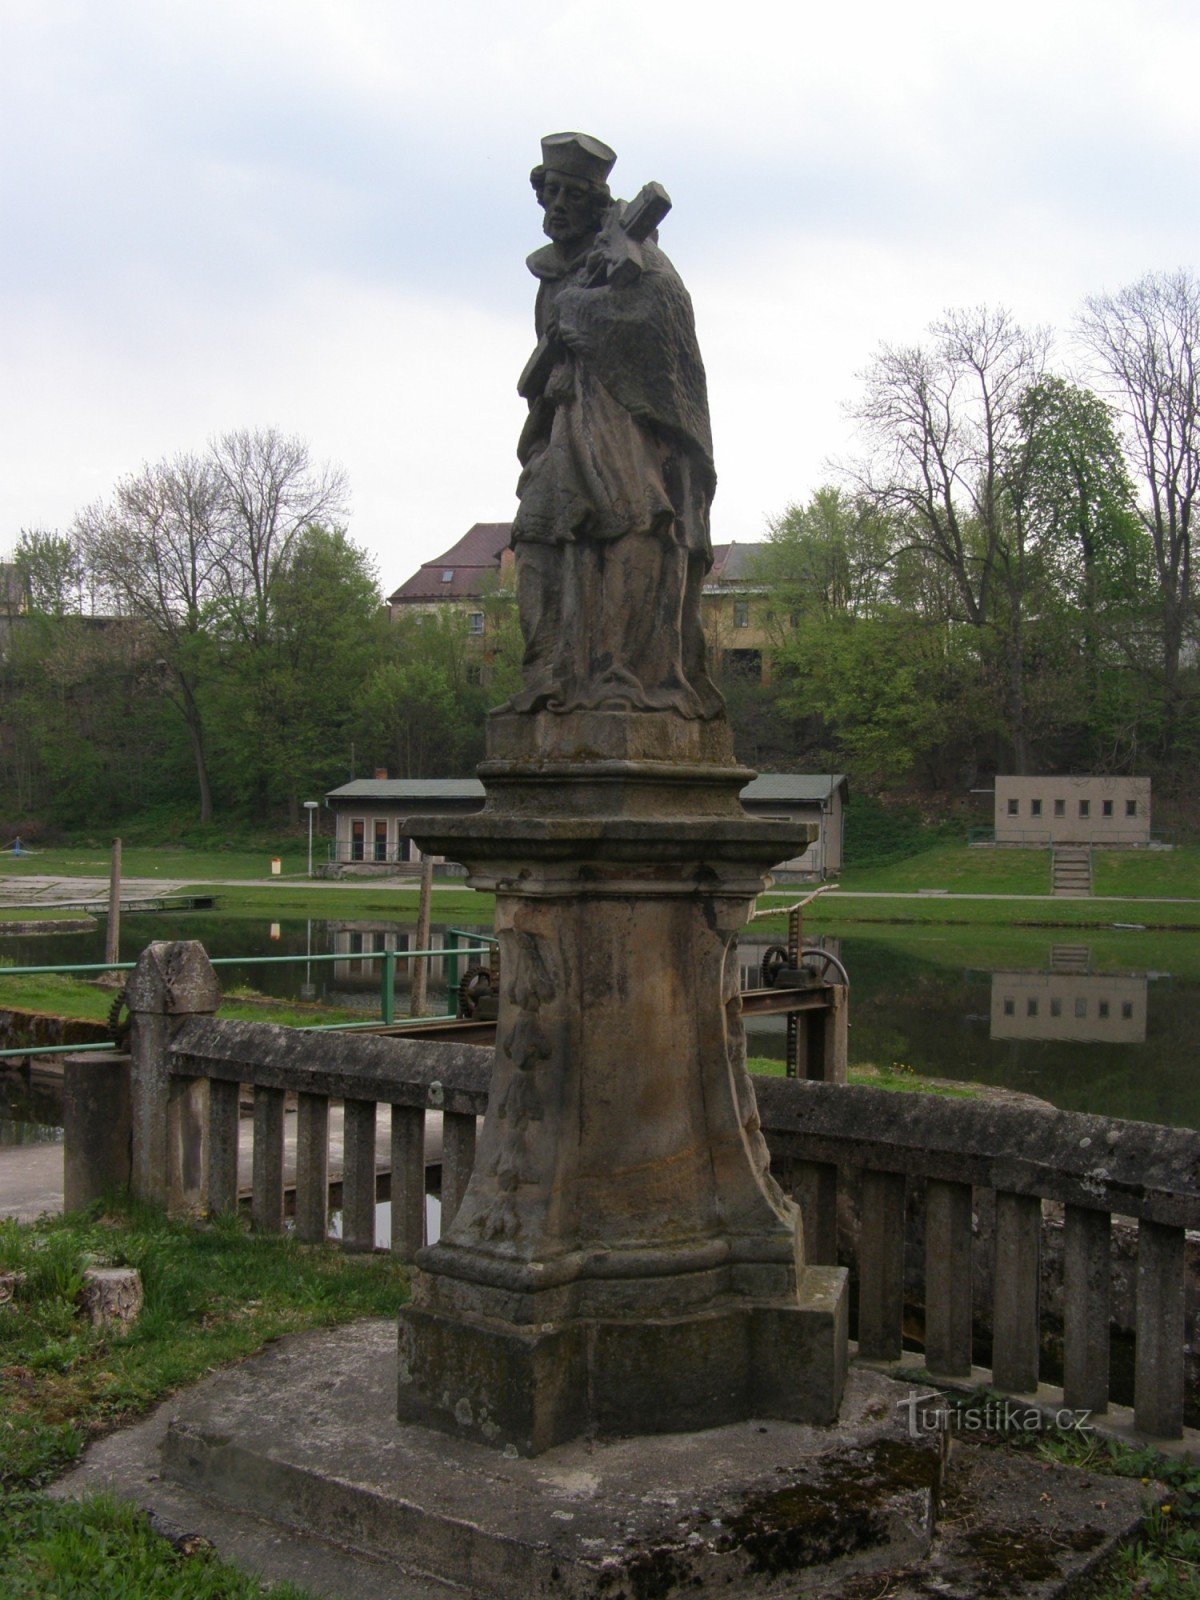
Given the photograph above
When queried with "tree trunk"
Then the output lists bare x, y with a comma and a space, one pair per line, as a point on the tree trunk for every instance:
195, 728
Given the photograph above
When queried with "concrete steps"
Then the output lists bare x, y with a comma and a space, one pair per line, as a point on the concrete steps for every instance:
1071, 870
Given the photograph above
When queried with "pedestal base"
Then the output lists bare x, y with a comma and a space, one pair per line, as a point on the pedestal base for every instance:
533, 1388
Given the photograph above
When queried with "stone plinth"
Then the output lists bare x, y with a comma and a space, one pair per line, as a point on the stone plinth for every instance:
622, 1261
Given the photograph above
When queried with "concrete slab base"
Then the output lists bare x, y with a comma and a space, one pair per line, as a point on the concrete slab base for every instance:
293, 1464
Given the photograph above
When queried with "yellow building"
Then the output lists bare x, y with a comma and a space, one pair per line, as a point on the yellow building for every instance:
481, 563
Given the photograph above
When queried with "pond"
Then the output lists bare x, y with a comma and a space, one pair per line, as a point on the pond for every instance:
1106, 1023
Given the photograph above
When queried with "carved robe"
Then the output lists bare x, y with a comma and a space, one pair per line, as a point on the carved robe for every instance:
612, 535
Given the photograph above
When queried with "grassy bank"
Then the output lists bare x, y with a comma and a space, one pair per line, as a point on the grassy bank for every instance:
213, 1295
56, 995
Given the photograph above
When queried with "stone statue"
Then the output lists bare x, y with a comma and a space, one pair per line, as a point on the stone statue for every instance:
612, 536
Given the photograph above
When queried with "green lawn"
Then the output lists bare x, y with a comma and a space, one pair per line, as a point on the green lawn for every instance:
214, 1294
961, 870
57, 995
40, 914
155, 861
958, 869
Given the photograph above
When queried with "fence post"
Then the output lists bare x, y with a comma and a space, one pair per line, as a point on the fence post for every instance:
387, 986
171, 982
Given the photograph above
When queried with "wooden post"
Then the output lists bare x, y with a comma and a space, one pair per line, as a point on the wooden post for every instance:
266, 1201
169, 1114
1158, 1373
112, 938
358, 1175
408, 1181
1087, 1271
1017, 1297
419, 976
948, 1278
458, 1158
881, 1266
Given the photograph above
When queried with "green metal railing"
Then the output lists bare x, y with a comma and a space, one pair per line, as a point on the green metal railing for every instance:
452, 951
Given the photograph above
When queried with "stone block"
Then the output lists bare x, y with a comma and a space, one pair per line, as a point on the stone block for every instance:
531, 1388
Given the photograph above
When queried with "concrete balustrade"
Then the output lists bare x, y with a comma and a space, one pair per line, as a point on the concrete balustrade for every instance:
824, 1139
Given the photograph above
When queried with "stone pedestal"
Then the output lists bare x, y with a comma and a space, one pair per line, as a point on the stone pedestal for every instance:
622, 1261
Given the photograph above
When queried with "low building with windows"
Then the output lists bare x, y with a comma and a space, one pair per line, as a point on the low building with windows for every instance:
368, 836
1042, 811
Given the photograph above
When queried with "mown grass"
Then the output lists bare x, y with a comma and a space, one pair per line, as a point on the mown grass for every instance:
214, 1294
155, 861
57, 995
40, 914
898, 1076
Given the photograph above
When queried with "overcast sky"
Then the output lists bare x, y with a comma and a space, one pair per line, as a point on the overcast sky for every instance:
314, 215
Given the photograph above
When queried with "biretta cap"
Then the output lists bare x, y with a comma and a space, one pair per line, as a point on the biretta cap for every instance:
578, 155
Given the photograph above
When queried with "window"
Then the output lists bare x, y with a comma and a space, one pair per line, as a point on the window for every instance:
1081, 1008
745, 663
1031, 1008
1131, 808
1056, 1007
358, 834
1009, 1007
1060, 808
1014, 808
1035, 808
1106, 808
741, 613
380, 839
1085, 808
1126, 1010
1102, 1009
448, 576
474, 672
474, 621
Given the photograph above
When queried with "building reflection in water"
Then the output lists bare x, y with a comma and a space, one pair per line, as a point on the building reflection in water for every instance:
1069, 1002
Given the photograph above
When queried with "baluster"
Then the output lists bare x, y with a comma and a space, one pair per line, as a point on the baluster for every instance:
814, 1184
223, 1124
312, 1167
266, 1202
458, 1158
1158, 1369
1087, 1271
408, 1181
881, 1266
948, 1278
358, 1175
1015, 1311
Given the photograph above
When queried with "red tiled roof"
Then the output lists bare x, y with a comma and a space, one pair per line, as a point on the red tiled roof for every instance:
475, 557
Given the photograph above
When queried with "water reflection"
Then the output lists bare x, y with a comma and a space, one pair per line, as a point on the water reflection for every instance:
1091, 1026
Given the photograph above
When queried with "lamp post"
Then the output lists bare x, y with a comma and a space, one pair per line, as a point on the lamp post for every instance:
310, 806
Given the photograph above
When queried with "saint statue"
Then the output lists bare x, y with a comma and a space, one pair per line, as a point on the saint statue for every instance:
612, 538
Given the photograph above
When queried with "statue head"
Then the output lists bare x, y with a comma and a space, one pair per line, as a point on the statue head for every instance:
571, 187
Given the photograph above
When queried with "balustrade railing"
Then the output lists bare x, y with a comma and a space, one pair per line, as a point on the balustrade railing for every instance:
827, 1141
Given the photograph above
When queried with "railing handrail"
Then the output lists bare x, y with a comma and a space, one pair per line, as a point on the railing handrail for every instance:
1135, 1169
405, 1072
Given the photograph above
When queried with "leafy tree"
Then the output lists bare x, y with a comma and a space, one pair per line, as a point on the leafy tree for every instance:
51, 571
1146, 343
159, 549
290, 705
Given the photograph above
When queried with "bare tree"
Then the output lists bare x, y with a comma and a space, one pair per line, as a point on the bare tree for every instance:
269, 490
159, 549
943, 422
1146, 339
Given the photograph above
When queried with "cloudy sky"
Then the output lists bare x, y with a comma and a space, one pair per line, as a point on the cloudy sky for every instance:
314, 214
